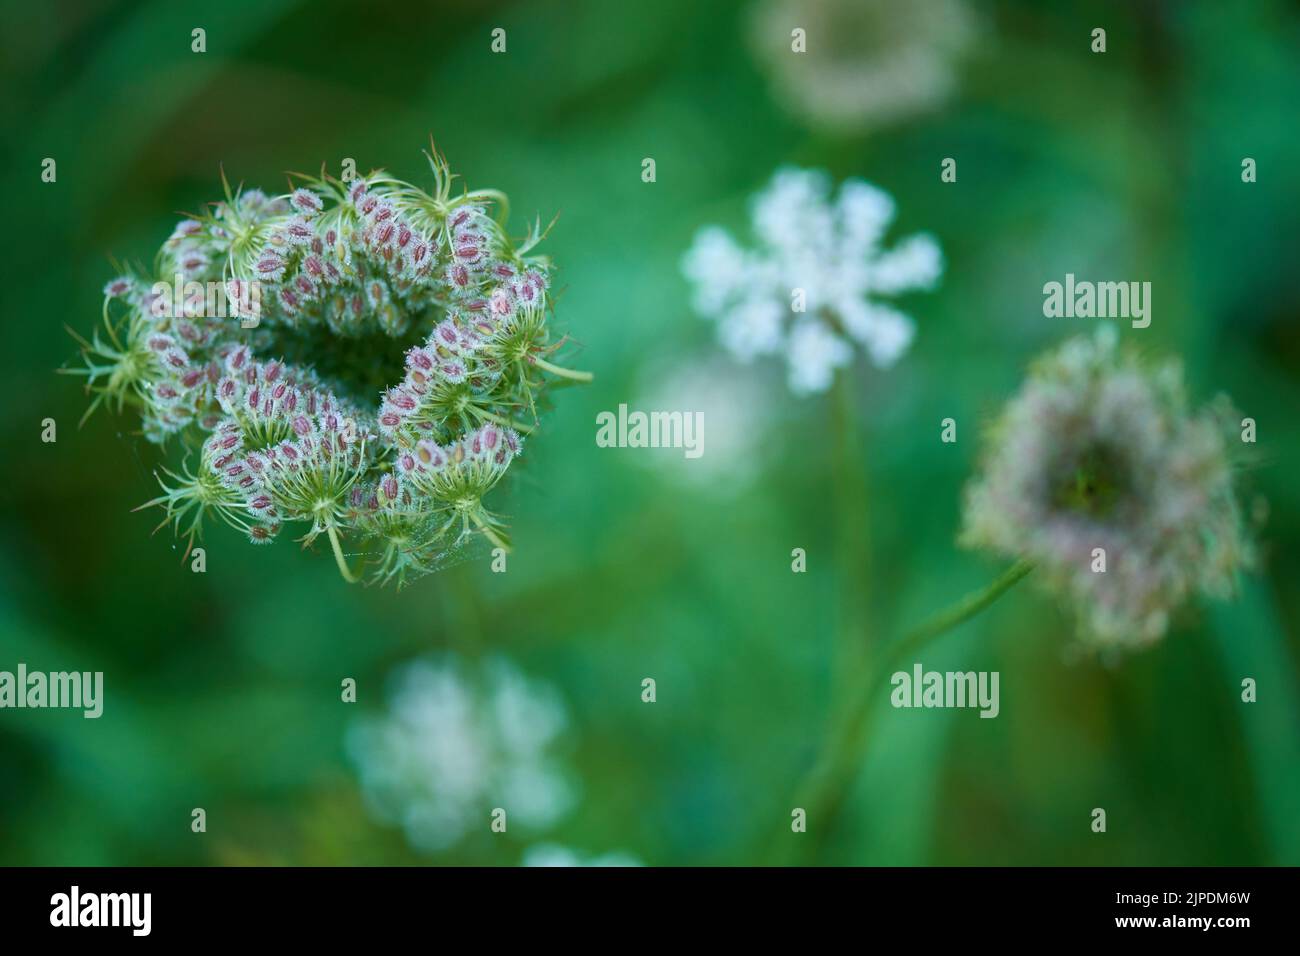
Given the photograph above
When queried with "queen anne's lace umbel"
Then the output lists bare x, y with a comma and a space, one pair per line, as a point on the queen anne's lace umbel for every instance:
814, 284
461, 737
1103, 475
396, 354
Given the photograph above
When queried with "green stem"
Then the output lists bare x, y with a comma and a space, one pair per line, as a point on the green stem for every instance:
501, 420
964, 609
338, 555
852, 637
496, 196
490, 533
829, 785
560, 371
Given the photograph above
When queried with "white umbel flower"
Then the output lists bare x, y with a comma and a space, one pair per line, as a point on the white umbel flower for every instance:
811, 288
460, 739
552, 854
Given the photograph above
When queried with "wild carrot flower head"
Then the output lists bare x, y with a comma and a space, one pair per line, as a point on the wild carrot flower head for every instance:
866, 63
461, 738
387, 321
811, 289
1100, 458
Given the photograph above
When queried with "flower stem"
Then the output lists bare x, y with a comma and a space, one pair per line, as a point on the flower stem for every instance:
560, 371
504, 422
490, 533
964, 609
852, 633
828, 786
338, 555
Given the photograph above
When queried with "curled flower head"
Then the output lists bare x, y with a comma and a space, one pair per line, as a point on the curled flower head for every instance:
1100, 473
389, 319
810, 289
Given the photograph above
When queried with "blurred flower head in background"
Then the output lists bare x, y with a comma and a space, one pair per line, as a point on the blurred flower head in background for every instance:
810, 289
460, 738
867, 62
551, 854
738, 408
1099, 450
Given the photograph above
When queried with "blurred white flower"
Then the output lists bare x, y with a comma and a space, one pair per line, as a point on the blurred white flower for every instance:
814, 353
459, 739
737, 407
551, 854
867, 63
809, 290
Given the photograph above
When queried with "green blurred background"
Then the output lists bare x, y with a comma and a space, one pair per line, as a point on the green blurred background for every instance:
222, 688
